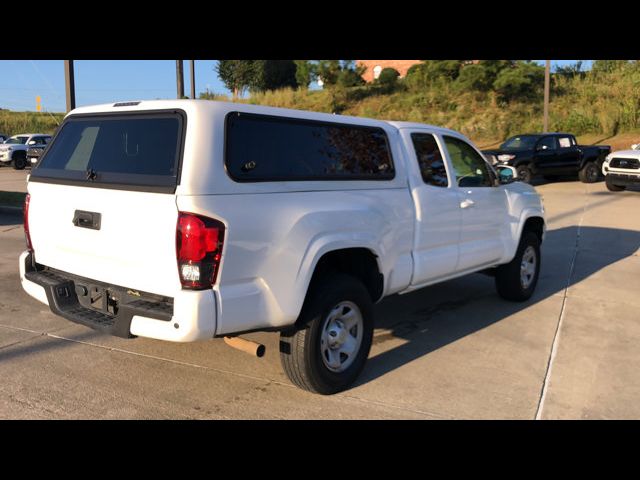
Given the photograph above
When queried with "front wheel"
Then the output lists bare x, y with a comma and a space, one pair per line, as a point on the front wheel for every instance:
524, 173
329, 346
517, 279
19, 162
589, 173
611, 186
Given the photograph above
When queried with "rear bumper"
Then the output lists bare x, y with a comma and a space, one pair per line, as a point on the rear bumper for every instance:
192, 316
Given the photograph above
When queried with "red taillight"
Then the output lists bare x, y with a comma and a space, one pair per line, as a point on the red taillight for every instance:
199, 243
26, 223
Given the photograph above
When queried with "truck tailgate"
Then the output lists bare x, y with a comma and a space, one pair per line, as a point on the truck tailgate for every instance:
135, 245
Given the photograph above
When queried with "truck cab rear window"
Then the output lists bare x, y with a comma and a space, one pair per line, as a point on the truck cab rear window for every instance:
128, 150
263, 148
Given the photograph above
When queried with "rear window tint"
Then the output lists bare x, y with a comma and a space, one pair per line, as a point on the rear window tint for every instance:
131, 150
265, 148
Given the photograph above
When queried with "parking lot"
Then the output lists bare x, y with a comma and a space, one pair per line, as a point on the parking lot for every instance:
451, 351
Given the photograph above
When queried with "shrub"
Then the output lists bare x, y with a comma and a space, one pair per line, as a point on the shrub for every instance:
523, 81
388, 76
474, 77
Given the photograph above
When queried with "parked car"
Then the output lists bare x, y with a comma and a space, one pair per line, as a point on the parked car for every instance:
33, 155
622, 169
551, 155
186, 220
14, 150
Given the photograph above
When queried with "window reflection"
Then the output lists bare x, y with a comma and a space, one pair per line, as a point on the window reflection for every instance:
432, 166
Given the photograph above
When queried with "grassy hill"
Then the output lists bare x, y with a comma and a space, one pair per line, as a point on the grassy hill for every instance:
12, 123
597, 106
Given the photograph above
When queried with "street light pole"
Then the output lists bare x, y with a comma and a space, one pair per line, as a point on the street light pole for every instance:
180, 78
70, 85
192, 65
547, 69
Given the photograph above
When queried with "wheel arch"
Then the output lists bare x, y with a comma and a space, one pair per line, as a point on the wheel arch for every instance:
359, 262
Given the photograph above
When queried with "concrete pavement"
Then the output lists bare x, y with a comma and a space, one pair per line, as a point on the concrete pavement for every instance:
454, 350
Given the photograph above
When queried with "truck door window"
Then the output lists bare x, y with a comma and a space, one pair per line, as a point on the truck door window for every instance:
430, 161
547, 143
469, 166
565, 142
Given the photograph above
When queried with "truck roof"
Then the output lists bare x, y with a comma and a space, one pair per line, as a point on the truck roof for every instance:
543, 134
211, 106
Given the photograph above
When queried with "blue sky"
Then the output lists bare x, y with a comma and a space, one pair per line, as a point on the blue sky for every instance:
104, 81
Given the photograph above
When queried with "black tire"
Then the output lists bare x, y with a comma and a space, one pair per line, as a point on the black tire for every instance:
301, 352
508, 278
19, 161
524, 173
611, 186
589, 173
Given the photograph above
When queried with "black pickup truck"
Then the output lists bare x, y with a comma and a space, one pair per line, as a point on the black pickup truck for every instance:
550, 155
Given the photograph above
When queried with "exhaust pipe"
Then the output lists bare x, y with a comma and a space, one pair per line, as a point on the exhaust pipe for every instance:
247, 346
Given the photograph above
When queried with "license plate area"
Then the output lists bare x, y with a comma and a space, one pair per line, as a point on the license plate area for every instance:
98, 298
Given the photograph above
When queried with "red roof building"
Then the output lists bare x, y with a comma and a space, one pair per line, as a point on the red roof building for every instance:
374, 67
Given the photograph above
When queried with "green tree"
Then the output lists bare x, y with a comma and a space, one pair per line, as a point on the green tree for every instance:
494, 67
237, 75
340, 72
572, 70
388, 76
273, 74
305, 73
474, 77
424, 74
608, 66
329, 71
522, 81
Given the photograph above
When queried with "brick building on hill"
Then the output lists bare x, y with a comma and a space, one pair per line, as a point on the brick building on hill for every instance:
374, 67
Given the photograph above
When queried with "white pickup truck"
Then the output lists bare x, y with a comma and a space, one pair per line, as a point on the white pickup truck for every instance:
13, 151
621, 169
187, 220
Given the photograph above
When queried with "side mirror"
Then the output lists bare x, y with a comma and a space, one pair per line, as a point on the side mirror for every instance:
506, 174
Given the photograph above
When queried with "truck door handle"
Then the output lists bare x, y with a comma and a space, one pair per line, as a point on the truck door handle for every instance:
467, 203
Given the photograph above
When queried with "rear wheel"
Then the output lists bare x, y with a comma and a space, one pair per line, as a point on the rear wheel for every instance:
524, 173
589, 173
611, 186
517, 279
328, 348
19, 161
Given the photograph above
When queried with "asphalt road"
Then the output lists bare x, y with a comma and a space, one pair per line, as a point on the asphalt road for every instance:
454, 350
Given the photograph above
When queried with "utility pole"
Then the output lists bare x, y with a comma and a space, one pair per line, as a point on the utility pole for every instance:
547, 69
180, 78
70, 85
192, 65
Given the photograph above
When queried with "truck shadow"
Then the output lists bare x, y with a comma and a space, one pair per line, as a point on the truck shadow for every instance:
10, 217
424, 321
